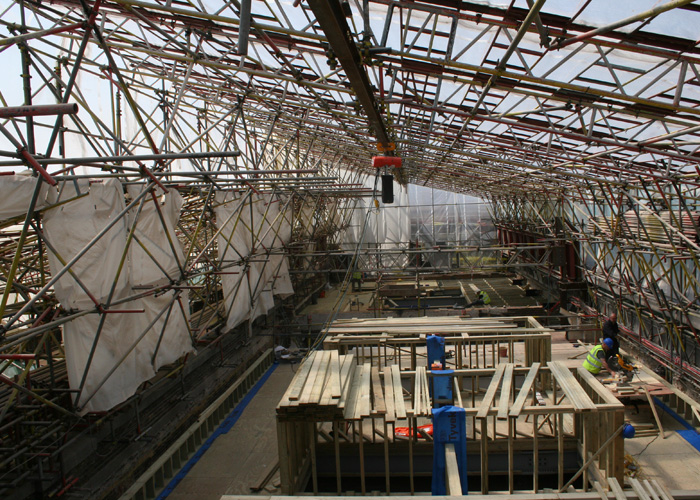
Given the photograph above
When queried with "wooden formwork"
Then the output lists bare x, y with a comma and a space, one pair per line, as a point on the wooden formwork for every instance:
476, 342
508, 409
437, 325
470, 351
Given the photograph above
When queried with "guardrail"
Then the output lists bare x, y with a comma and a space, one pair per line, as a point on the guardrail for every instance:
151, 482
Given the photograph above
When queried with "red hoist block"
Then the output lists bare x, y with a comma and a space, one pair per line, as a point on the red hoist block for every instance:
386, 161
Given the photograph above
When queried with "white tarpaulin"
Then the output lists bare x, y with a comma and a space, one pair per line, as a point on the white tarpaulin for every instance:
285, 223
70, 227
131, 346
235, 243
268, 221
165, 342
260, 276
282, 285
111, 355
397, 227
16, 193
155, 236
245, 238
236, 295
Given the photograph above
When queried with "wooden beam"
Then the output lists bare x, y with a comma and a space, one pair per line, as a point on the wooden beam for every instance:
616, 489
653, 411
524, 390
571, 387
389, 395
452, 480
399, 403
504, 402
379, 406
491, 392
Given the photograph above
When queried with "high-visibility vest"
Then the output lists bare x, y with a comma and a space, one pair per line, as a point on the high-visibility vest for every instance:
485, 297
357, 275
592, 363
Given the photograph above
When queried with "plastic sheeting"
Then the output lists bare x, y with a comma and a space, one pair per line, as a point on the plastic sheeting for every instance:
129, 350
254, 229
16, 193
282, 285
235, 244
419, 216
382, 227
444, 218
449, 426
112, 354
71, 226
155, 235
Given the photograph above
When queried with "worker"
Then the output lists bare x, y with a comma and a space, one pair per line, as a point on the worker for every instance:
610, 331
598, 357
482, 299
357, 281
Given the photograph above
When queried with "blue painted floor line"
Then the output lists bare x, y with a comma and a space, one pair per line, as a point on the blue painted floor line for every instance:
689, 434
225, 426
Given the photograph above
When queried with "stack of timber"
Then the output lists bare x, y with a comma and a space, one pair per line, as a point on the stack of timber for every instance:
319, 389
328, 387
422, 405
446, 325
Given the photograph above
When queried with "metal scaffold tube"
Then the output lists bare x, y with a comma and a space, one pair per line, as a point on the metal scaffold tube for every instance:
176, 178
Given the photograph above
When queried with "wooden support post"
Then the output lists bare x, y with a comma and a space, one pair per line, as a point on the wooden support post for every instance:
312, 448
653, 411
586, 445
336, 444
560, 450
410, 455
618, 449
484, 456
362, 459
283, 450
387, 472
511, 434
458, 352
535, 456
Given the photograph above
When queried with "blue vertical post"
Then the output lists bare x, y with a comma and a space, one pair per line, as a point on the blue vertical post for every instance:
449, 426
436, 349
441, 385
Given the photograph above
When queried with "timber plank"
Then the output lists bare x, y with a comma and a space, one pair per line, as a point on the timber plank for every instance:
573, 390
524, 390
389, 395
504, 402
399, 403
491, 392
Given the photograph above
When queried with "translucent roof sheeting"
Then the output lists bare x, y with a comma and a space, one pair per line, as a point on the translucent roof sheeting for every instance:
491, 97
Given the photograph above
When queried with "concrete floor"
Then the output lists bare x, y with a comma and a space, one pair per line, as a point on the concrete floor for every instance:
243, 457
240, 459
352, 301
671, 461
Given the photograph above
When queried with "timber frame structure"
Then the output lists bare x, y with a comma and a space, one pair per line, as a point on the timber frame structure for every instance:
580, 130
341, 408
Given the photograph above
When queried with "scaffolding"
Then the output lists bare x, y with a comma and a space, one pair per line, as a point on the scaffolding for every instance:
204, 147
